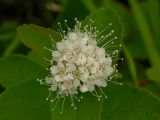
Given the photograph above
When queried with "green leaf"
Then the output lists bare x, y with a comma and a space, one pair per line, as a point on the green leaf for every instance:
102, 18
38, 59
124, 103
145, 32
37, 38
25, 102
153, 11
153, 74
88, 105
17, 69
128, 103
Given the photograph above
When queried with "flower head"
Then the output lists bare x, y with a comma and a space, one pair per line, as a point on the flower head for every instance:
79, 64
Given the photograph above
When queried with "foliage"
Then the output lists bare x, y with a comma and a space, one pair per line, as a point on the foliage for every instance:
23, 61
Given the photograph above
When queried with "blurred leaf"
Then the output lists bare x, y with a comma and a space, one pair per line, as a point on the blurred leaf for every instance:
37, 38
153, 74
140, 71
7, 30
126, 17
154, 9
17, 69
72, 9
90, 5
102, 18
8, 26
151, 11
25, 102
145, 33
7, 36
136, 47
131, 64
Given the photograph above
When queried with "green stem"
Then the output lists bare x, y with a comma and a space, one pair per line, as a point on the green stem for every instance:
131, 64
13, 45
145, 33
155, 19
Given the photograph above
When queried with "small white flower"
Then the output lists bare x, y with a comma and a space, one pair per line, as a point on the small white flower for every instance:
60, 46
72, 36
54, 86
100, 52
54, 70
58, 78
71, 67
56, 55
81, 59
60, 65
49, 80
83, 88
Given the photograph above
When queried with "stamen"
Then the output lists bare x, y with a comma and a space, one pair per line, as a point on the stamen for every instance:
48, 60
50, 50
55, 104
63, 104
102, 92
110, 40
115, 82
104, 29
65, 21
103, 38
61, 31
72, 102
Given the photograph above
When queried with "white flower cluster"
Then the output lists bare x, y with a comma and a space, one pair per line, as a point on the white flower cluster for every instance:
78, 64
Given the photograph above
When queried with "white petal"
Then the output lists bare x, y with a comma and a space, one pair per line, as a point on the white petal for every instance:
56, 55
54, 70
100, 52
84, 77
72, 36
81, 59
76, 83
108, 71
101, 82
58, 78
108, 61
83, 89
60, 46
49, 80
93, 70
71, 67
54, 87
60, 65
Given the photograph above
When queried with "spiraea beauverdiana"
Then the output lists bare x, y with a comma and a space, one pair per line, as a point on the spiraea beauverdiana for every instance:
79, 64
